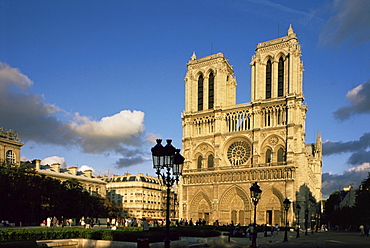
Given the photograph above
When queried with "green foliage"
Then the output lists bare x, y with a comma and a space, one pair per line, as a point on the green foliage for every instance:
123, 234
355, 216
34, 197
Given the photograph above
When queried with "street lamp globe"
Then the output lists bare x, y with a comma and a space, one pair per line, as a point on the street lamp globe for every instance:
166, 159
255, 193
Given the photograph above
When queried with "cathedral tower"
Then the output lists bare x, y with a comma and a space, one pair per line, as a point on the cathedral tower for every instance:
229, 146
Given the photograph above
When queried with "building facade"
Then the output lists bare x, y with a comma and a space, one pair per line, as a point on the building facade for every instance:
10, 147
140, 196
229, 146
94, 185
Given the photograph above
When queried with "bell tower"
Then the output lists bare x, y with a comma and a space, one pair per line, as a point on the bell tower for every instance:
277, 69
210, 83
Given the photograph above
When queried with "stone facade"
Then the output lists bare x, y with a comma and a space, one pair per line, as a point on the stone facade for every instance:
10, 147
229, 146
94, 185
141, 196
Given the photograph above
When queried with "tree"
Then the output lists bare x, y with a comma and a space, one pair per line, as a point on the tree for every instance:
363, 202
29, 198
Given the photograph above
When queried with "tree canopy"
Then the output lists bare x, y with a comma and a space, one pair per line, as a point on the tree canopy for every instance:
29, 197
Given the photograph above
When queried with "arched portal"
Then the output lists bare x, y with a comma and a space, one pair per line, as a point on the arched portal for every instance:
235, 207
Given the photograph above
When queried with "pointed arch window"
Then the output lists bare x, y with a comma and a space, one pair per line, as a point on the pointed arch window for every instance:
210, 161
200, 92
268, 79
281, 155
281, 77
211, 91
268, 156
200, 158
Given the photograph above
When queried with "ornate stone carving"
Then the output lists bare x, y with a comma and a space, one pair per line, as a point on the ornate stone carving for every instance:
274, 140
238, 153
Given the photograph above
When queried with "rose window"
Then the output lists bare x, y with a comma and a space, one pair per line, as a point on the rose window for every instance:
239, 153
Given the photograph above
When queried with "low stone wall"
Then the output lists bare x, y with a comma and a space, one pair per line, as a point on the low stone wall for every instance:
184, 242
88, 243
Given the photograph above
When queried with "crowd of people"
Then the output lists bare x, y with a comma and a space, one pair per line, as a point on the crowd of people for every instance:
51, 222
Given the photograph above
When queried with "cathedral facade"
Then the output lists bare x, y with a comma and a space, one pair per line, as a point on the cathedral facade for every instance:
229, 146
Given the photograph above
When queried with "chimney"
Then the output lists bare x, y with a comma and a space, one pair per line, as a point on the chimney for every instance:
88, 173
37, 164
73, 170
56, 167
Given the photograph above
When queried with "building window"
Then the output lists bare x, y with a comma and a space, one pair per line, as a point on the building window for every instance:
200, 158
10, 157
268, 156
210, 161
211, 86
281, 155
281, 77
200, 93
268, 79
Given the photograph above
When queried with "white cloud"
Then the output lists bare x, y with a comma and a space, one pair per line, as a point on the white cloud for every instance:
37, 121
363, 167
54, 159
86, 167
333, 182
13, 77
359, 97
120, 125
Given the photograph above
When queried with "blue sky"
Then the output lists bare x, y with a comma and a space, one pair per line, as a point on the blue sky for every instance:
93, 83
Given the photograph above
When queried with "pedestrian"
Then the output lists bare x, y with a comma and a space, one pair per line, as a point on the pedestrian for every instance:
55, 221
61, 222
145, 225
82, 221
367, 228
277, 228
362, 230
48, 222
87, 222
252, 232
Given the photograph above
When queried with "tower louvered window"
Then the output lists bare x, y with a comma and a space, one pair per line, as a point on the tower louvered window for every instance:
281, 77
211, 94
268, 79
200, 93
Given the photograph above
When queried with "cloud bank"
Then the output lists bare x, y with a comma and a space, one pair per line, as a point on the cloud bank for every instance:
35, 120
333, 182
359, 99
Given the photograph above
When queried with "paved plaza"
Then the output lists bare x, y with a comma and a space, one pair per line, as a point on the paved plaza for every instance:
316, 240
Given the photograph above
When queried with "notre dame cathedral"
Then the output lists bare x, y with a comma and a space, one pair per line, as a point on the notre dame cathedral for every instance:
229, 146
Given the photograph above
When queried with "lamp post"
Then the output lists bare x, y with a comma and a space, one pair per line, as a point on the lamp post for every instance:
165, 159
306, 220
255, 196
286, 203
298, 210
